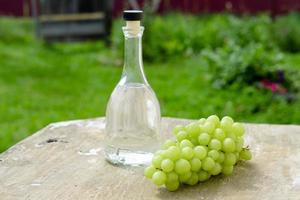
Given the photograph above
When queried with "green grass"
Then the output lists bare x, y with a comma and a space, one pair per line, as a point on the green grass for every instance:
40, 84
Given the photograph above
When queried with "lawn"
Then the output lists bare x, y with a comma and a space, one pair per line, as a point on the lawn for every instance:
42, 83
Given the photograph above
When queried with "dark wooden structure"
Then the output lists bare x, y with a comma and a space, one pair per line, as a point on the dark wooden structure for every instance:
72, 19
275, 7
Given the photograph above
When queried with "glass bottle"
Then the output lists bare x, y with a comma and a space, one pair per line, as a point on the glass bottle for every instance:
133, 112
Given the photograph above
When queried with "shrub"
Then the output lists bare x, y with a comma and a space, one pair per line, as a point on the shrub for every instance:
286, 30
182, 35
249, 65
238, 50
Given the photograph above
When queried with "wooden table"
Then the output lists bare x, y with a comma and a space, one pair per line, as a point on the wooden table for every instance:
65, 161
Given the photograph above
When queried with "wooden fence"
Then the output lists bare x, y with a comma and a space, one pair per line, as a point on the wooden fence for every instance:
275, 7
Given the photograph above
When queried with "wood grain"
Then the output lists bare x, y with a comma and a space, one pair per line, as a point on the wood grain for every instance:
65, 161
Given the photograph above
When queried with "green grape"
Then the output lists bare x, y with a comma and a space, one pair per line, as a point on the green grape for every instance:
237, 155
164, 154
241, 140
227, 170
182, 166
219, 134
227, 118
193, 180
245, 154
208, 163
200, 152
231, 135
181, 135
193, 129
159, 178
215, 144
207, 147
172, 177
185, 143
226, 123
187, 153
230, 159
228, 145
159, 153
238, 129
149, 171
156, 161
204, 139
239, 144
168, 143
203, 176
216, 170
214, 154
194, 141
201, 121
177, 129
172, 186
225, 126
214, 119
184, 177
201, 128
195, 164
221, 157
167, 165
173, 153
208, 127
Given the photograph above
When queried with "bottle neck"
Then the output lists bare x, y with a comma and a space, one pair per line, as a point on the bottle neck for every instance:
133, 71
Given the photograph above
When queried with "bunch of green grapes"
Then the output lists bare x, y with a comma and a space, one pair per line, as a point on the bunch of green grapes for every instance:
202, 149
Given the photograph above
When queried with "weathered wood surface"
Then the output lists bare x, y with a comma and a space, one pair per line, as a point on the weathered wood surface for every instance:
65, 161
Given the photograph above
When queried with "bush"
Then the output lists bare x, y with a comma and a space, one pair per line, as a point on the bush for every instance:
251, 65
178, 35
233, 64
286, 30
238, 50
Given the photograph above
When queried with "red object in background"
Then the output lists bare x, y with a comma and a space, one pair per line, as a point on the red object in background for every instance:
274, 7
274, 87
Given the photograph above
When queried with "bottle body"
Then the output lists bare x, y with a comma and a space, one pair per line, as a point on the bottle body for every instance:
133, 112
132, 125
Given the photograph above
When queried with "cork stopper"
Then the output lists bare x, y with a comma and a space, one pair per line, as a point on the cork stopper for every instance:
133, 20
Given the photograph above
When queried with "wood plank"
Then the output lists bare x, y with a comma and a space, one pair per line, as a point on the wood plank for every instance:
65, 161
77, 29
71, 17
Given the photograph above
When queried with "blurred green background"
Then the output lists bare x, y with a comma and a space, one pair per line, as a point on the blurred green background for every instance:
246, 67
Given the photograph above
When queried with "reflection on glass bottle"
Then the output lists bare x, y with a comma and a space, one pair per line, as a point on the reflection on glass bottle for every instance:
133, 113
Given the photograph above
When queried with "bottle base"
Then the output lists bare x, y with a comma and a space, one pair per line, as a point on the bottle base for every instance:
118, 156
